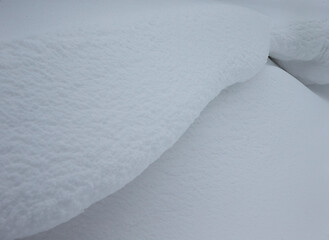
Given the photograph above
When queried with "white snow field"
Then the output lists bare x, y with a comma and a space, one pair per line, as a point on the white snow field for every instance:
85, 111
254, 165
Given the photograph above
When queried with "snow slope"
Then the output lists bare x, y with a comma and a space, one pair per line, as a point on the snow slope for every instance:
302, 48
321, 90
253, 166
300, 36
86, 110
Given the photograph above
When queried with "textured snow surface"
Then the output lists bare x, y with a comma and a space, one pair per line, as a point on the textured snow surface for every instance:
302, 49
253, 166
300, 36
84, 112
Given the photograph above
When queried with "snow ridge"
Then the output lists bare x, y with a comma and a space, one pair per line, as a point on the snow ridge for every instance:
301, 47
252, 166
83, 113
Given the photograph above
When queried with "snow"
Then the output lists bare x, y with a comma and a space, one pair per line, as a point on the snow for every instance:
300, 36
253, 166
287, 10
93, 93
19, 19
86, 109
302, 48
321, 90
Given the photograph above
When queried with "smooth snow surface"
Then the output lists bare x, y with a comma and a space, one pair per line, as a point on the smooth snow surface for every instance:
287, 10
85, 111
20, 19
321, 90
253, 166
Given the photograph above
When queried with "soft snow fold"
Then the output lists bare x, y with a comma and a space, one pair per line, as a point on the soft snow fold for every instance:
300, 36
321, 90
302, 49
85, 112
253, 166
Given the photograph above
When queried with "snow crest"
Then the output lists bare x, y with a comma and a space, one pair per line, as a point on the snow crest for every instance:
302, 49
83, 113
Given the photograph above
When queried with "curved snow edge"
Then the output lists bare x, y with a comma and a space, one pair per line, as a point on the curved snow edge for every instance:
85, 113
302, 49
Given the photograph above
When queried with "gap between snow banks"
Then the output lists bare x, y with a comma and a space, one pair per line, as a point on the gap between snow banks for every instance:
82, 114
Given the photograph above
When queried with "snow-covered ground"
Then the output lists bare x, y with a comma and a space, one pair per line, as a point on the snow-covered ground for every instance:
253, 166
93, 92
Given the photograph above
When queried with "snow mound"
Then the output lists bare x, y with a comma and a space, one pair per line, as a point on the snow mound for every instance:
302, 49
254, 165
300, 36
84, 112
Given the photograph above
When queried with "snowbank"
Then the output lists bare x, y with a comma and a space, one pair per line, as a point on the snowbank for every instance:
302, 49
254, 165
300, 36
86, 111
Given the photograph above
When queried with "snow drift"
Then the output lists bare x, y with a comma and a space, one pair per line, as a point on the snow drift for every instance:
299, 36
321, 90
86, 111
254, 166
302, 49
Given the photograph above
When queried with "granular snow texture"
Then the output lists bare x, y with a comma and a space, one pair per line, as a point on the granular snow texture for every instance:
254, 165
302, 49
84, 112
